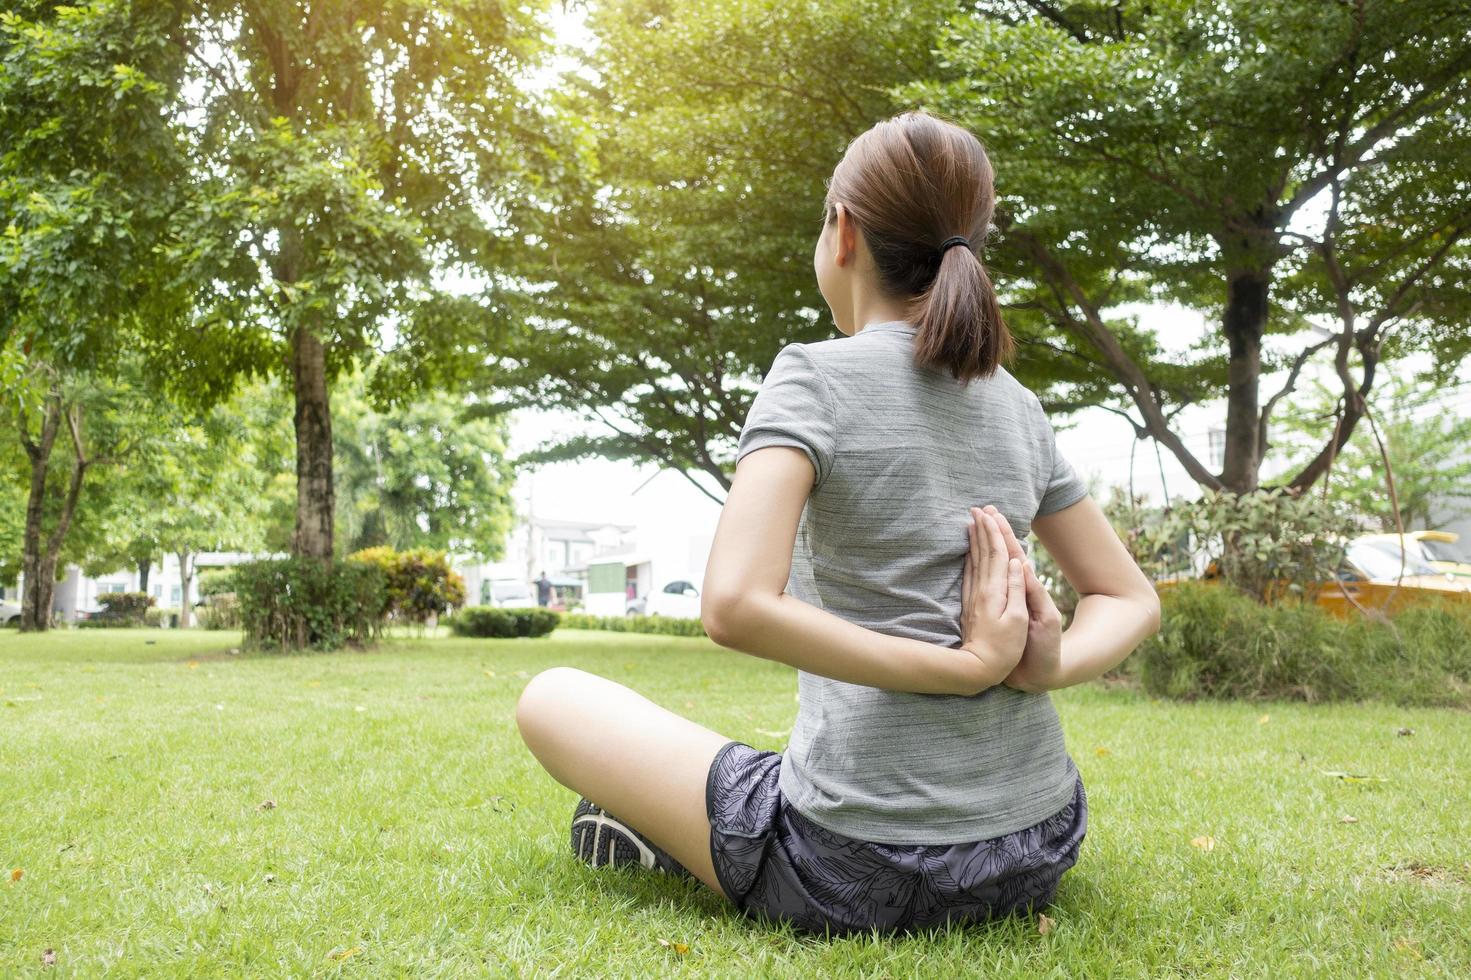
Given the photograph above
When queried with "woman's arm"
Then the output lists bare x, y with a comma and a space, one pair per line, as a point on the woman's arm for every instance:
744, 605
1118, 606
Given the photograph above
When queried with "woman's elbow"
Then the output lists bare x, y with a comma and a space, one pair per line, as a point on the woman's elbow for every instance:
1149, 603
719, 616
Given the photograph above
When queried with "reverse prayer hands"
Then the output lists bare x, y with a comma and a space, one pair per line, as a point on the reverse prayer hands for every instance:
1041, 661
993, 598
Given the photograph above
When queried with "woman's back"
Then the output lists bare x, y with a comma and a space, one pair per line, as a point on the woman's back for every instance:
901, 452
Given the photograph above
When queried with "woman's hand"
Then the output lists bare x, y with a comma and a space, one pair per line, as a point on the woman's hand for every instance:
993, 616
1041, 660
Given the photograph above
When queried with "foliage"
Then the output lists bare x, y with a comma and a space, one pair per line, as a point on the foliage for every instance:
125, 605
160, 617
420, 475
493, 621
297, 603
665, 625
1424, 438
220, 612
419, 583
1218, 643
214, 581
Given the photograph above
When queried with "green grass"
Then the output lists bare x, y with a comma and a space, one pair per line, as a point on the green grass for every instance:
412, 832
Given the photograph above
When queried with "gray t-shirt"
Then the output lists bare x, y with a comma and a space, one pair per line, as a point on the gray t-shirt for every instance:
901, 453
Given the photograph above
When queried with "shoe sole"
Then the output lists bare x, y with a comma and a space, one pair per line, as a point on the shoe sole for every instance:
601, 840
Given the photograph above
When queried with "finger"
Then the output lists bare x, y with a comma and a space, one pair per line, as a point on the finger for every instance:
1013, 546
977, 553
1035, 589
997, 569
1016, 597
965, 587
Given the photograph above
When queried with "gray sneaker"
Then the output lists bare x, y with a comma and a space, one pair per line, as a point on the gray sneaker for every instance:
601, 839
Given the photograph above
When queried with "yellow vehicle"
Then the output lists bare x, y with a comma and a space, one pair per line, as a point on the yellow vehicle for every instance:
1375, 576
1437, 548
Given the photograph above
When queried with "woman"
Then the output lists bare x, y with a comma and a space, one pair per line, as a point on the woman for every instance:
871, 539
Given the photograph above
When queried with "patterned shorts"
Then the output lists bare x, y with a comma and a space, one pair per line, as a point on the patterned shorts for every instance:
777, 865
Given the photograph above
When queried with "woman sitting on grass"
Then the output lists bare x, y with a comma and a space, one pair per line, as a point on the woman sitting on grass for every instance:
872, 539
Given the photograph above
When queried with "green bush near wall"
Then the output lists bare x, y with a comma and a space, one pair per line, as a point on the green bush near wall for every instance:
665, 625
1215, 642
495, 622
299, 603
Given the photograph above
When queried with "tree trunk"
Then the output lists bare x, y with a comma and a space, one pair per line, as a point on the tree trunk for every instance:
314, 494
1245, 319
35, 605
186, 579
143, 565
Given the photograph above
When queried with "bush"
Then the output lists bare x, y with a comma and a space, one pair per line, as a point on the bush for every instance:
221, 612
120, 609
1216, 642
295, 603
420, 582
159, 617
215, 581
504, 623
666, 625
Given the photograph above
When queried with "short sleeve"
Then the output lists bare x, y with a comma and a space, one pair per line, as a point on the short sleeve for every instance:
794, 407
1064, 486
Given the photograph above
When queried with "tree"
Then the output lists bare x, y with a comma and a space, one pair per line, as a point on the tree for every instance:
88, 180
673, 232
421, 476
345, 155
1425, 448
1177, 150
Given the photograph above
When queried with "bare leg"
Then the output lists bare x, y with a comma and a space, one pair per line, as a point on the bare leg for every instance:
644, 764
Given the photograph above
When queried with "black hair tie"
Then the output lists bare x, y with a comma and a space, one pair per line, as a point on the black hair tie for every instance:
954, 240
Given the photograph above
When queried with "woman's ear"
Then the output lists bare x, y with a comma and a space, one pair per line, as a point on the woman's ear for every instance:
845, 242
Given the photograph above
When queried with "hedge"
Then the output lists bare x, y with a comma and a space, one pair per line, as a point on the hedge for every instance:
666, 625
291, 603
1215, 642
492, 621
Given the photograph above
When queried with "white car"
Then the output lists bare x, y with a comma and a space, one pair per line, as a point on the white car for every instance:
678, 599
508, 593
9, 613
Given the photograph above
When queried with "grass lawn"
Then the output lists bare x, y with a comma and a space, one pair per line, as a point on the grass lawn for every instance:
412, 833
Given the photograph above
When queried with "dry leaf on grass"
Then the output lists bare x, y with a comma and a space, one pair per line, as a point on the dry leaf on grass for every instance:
1405, 731
1348, 819
1205, 843
680, 948
193, 664
1101, 751
15, 875
1045, 923
48, 958
342, 954
1264, 719
267, 805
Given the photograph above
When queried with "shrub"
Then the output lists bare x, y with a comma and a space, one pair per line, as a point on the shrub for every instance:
503, 623
221, 612
1219, 643
666, 625
158, 617
420, 582
121, 609
214, 581
295, 603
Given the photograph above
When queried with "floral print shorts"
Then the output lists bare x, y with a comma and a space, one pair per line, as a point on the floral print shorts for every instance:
777, 865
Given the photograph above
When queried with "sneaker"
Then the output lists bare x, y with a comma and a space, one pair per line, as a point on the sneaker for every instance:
601, 839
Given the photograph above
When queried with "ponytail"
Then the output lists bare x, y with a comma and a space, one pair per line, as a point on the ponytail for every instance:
957, 320
909, 182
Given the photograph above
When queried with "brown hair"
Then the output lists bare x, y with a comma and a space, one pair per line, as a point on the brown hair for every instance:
911, 182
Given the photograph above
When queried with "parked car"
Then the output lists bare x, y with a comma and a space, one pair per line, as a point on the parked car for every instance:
678, 599
508, 593
10, 613
1437, 548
